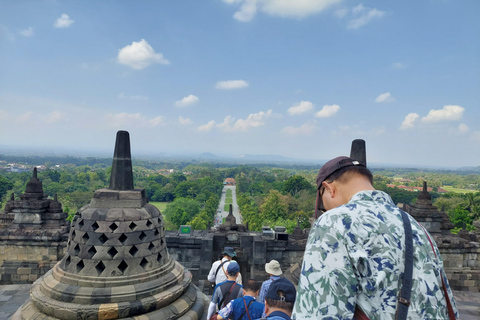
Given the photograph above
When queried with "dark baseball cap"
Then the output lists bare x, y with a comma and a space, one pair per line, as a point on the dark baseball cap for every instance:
327, 170
229, 251
284, 285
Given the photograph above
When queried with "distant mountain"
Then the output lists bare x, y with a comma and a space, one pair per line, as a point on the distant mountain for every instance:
474, 169
207, 155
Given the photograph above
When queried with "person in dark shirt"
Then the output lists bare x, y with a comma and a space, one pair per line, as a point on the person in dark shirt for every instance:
226, 291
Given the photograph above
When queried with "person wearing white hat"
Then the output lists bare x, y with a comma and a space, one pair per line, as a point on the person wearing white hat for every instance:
274, 271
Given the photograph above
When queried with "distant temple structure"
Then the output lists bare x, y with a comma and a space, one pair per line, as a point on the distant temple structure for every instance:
435, 221
33, 234
117, 265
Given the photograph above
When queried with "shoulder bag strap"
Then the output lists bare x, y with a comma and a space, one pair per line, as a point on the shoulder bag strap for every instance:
220, 266
225, 297
406, 291
451, 313
246, 310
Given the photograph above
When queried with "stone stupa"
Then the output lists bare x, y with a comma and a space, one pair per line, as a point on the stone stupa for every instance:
117, 265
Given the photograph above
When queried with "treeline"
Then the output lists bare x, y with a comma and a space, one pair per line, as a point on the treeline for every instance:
266, 195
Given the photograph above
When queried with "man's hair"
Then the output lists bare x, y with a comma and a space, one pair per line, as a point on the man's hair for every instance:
284, 305
251, 285
343, 175
232, 273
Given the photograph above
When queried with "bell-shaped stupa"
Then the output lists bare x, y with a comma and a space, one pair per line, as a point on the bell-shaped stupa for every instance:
117, 265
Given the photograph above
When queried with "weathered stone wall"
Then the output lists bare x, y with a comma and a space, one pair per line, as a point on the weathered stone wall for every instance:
26, 261
462, 266
198, 251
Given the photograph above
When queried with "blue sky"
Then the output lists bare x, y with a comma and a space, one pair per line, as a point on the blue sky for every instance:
299, 79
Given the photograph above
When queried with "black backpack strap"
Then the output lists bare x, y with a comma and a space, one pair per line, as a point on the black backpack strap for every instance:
406, 291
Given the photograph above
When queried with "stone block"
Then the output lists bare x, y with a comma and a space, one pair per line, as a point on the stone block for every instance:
24, 270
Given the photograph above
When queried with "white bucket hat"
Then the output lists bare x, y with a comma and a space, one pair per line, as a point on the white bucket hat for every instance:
273, 268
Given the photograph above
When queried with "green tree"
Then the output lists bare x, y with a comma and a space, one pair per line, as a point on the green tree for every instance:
295, 184
274, 207
181, 210
5, 185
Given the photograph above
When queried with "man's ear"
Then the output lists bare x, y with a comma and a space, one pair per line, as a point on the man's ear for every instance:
331, 188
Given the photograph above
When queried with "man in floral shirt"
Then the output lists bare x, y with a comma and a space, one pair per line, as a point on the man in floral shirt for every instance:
354, 259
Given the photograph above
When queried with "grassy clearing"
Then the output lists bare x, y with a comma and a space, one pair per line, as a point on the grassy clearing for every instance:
226, 207
229, 193
228, 200
457, 190
160, 205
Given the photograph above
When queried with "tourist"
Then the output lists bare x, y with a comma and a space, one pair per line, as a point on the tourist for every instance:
354, 259
274, 271
246, 308
226, 291
218, 273
280, 300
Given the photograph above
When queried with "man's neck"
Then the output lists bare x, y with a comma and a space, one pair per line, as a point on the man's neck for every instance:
271, 310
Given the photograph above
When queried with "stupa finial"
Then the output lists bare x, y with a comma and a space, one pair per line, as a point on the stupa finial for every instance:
359, 151
122, 176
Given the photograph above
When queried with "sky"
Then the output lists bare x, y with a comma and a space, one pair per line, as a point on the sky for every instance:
294, 78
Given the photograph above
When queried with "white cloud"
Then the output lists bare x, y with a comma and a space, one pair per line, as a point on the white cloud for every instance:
253, 120
231, 84
140, 55
184, 121
398, 65
155, 121
305, 129
463, 128
27, 32
363, 15
189, 100
340, 13
25, 117
135, 97
131, 120
409, 120
56, 116
282, 8
207, 127
300, 108
447, 113
63, 22
327, 111
384, 97
247, 11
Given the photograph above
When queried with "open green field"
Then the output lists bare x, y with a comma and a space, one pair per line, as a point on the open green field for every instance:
160, 205
228, 200
457, 190
229, 192
226, 207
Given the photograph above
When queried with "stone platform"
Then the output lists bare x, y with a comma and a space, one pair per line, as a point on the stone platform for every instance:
13, 296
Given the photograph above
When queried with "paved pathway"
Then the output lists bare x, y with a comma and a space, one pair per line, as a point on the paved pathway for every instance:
13, 296
221, 213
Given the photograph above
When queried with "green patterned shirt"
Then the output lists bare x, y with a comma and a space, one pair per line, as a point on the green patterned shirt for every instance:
355, 255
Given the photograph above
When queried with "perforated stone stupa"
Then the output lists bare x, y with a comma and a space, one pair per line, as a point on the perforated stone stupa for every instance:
117, 265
